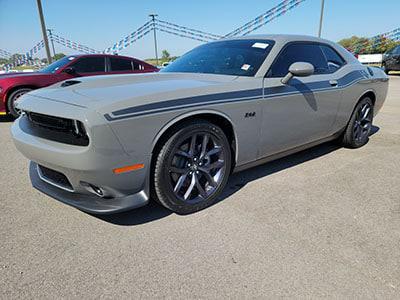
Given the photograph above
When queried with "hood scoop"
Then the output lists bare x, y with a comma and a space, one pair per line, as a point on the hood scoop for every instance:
69, 83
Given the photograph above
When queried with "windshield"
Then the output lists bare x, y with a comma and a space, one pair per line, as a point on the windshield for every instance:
237, 57
57, 64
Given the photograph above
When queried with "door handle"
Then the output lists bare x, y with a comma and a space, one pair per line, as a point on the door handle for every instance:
333, 82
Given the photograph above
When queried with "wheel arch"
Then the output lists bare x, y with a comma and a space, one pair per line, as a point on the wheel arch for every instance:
369, 93
216, 117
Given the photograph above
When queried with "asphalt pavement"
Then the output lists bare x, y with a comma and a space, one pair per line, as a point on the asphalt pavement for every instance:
321, 223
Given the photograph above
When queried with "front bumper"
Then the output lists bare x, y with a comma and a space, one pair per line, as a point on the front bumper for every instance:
85, 202
3, 110
91, 164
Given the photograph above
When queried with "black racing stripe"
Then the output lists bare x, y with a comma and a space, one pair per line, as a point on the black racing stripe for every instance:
297, 86
189, 100
166, 109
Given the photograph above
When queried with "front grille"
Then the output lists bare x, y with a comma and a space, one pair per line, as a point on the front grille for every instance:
53, 128
51, 122
55, 178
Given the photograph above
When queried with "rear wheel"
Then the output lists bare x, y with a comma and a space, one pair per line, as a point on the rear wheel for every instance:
13, 100
359, 127
192, 167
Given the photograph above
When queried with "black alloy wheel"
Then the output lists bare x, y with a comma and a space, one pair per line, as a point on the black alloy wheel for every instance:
360, 125
192, 167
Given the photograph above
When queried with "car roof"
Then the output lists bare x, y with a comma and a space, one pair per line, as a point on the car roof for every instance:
280, 38
101, 54
111, 55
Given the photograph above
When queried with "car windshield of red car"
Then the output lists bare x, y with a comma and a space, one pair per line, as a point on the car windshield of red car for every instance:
52, 68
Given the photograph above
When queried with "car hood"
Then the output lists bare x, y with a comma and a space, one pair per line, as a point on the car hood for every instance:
21, 74
120, 91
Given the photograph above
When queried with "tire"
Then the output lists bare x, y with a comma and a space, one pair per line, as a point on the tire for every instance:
189, 176
386, 70
359, 127
11, 102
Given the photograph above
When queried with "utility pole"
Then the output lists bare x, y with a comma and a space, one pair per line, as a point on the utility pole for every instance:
321, 19
44, 33
153, 18
51, 40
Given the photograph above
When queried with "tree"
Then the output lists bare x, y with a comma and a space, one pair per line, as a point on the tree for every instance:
383, 44
58, 56
355, 44
165, 55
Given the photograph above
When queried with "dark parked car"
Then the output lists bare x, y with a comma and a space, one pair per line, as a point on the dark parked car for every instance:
14, 85
391, 60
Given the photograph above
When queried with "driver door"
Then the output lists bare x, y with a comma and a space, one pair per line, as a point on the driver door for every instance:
304, 109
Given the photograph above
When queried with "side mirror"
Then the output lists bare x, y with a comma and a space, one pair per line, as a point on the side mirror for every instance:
70, 71
298, 69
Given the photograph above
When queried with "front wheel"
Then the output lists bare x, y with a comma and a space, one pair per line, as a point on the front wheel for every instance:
192, 167
13, 100
359, 127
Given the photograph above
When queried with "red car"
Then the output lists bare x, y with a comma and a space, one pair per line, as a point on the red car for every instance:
14, 85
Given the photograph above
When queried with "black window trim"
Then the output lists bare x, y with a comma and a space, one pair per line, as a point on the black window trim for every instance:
305, 42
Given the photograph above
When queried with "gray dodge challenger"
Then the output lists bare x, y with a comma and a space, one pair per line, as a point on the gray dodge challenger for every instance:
106, 144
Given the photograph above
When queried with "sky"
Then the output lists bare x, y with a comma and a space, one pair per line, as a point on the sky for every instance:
99, 24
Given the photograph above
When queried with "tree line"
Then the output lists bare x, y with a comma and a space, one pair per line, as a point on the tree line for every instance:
363, 45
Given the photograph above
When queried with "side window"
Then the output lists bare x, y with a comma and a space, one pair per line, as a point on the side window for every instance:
119, 64
299, 52
335, 61
90, 64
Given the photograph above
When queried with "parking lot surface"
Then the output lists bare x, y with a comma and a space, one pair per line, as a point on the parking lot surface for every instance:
323, 222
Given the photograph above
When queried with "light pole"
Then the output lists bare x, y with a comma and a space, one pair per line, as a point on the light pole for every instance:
153, 18
51, 40
44, 33
321, 19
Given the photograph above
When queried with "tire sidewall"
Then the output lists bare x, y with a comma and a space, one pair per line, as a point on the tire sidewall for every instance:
162, 182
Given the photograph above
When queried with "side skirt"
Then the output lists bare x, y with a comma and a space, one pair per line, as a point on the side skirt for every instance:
285, 153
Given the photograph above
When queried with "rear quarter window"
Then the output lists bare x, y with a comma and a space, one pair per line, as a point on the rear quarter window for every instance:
119, 64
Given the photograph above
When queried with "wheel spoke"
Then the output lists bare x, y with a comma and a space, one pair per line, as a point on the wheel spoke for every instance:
365, 114
183, 153
193, 145
210, 179
213, 151
204, 145
190, 188
216, 165
201, 190
179, 183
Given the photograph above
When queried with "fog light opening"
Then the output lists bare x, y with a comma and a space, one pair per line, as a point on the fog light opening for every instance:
98, 191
